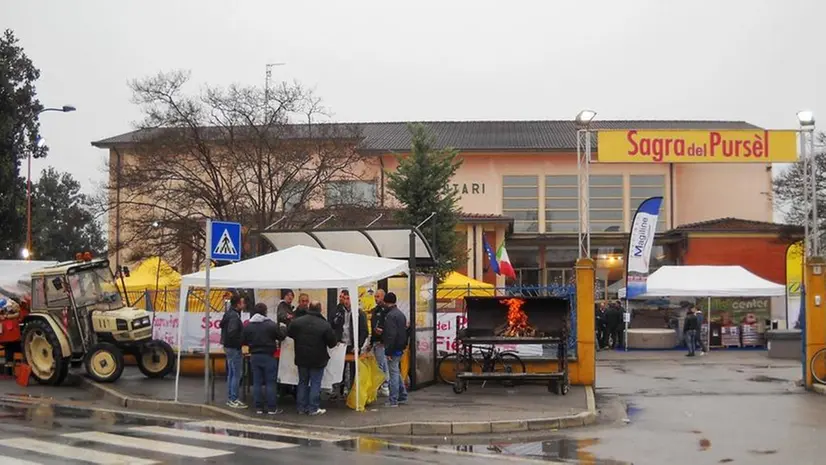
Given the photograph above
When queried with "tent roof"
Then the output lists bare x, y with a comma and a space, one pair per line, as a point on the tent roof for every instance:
300, 266
456, 285
709, 281
375, 242
150, 272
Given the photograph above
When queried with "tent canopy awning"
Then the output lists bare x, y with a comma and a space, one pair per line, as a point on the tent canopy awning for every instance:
708, 281
456, 285
152, 272
300, 266
391, 243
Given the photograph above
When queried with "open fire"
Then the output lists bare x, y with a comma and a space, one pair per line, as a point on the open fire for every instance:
517, 324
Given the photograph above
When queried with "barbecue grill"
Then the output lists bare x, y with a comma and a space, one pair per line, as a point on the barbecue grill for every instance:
517, 320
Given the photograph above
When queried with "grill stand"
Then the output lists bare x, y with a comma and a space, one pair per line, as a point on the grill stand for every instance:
557, 381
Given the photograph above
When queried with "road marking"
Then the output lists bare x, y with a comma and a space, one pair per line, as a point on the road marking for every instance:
6, 460
76, 453
148, 444
214, 437
290, 433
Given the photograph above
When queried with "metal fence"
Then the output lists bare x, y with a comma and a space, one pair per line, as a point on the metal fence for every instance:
166, 300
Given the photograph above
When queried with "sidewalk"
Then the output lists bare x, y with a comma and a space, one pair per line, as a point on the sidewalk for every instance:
435, 410
720, 356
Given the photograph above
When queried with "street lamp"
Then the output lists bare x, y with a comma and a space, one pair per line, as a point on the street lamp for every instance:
583, 122
41, 142
806, 118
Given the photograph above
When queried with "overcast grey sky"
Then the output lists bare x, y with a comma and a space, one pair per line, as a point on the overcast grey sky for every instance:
379, 60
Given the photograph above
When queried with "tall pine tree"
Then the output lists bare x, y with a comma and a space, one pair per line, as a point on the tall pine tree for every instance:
19, 130
422, 184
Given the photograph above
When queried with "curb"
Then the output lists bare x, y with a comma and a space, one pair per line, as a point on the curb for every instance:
395, 429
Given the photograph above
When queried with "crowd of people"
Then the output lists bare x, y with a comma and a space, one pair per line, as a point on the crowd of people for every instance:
386, 336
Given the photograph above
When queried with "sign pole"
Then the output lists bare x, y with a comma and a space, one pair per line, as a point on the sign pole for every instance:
207, 302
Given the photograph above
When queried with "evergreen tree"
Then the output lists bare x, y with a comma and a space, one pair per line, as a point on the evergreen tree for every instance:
62, 220
422, 184
19, 130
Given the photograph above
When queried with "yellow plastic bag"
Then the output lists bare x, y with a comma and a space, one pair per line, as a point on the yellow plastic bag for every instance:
370, 380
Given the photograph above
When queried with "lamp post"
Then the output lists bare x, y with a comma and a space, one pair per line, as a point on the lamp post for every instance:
27, 252
583, 122
807, 153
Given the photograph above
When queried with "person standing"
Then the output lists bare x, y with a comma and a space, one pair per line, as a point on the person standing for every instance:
701, 341
231, 339
286, 311
602, 327
262, 336
303, 305
377, 327
313, 335
343, 325
690, 327
394, 338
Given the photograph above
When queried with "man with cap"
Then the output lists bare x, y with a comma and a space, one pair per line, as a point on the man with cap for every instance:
394, 338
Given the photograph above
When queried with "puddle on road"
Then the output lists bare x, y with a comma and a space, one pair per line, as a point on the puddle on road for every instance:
557, 449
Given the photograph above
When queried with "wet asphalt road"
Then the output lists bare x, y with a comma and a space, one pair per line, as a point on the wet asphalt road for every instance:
731, 407
734, 407
49, 436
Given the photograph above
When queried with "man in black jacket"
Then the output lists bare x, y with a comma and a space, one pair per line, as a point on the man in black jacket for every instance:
231, 333
313, 335
690, 328
262, 336
286, 311
343, 326
394, 338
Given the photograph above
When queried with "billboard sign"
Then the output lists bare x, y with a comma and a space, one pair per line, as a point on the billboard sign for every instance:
696, 146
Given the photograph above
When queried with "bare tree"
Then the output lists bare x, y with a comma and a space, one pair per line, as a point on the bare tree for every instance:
226, 154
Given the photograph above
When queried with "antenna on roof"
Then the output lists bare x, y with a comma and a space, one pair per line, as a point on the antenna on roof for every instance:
374, 221
325, 220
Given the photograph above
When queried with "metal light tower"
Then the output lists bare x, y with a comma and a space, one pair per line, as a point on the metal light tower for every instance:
583, 161
808, 155
267, 80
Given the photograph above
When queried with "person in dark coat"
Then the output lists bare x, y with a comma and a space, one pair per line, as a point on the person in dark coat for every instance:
613, 322
601, 326
262, 335
691, 327
376, 329
395, 338
343, 326
231, 339
286, 311
313, 335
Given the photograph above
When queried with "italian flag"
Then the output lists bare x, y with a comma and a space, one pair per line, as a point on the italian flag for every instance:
505, 267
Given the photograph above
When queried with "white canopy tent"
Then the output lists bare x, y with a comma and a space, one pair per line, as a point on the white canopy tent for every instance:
298, 266
706, 281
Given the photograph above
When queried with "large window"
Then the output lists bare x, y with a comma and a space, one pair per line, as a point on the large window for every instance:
606, 201
525, 261
520, 201
646, 186
294, 195
350, 193
561, 204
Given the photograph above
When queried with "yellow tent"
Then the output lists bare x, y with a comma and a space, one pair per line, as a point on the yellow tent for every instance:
456, 285
151, 272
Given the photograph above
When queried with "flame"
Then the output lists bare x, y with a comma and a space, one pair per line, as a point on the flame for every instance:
517, 318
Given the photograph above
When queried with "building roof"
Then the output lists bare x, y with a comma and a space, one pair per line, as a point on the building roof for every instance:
730, 224
548, 135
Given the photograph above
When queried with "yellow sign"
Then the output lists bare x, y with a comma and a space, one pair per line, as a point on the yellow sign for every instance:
695, 146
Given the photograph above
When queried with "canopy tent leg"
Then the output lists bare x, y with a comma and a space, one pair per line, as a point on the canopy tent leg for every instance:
354, 317
708, 322
182, 302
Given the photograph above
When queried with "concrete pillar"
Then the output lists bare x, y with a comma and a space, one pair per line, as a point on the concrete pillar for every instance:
585, 324
815, 337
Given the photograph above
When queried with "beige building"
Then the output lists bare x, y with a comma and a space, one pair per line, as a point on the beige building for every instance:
518, 180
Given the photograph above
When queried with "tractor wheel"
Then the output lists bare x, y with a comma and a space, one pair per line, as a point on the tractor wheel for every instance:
156, 359
104, 362
41, 350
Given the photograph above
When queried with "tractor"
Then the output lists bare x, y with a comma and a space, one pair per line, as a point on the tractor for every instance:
77, 317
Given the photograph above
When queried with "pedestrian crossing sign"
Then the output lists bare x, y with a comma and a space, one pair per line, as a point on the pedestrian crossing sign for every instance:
225, 241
